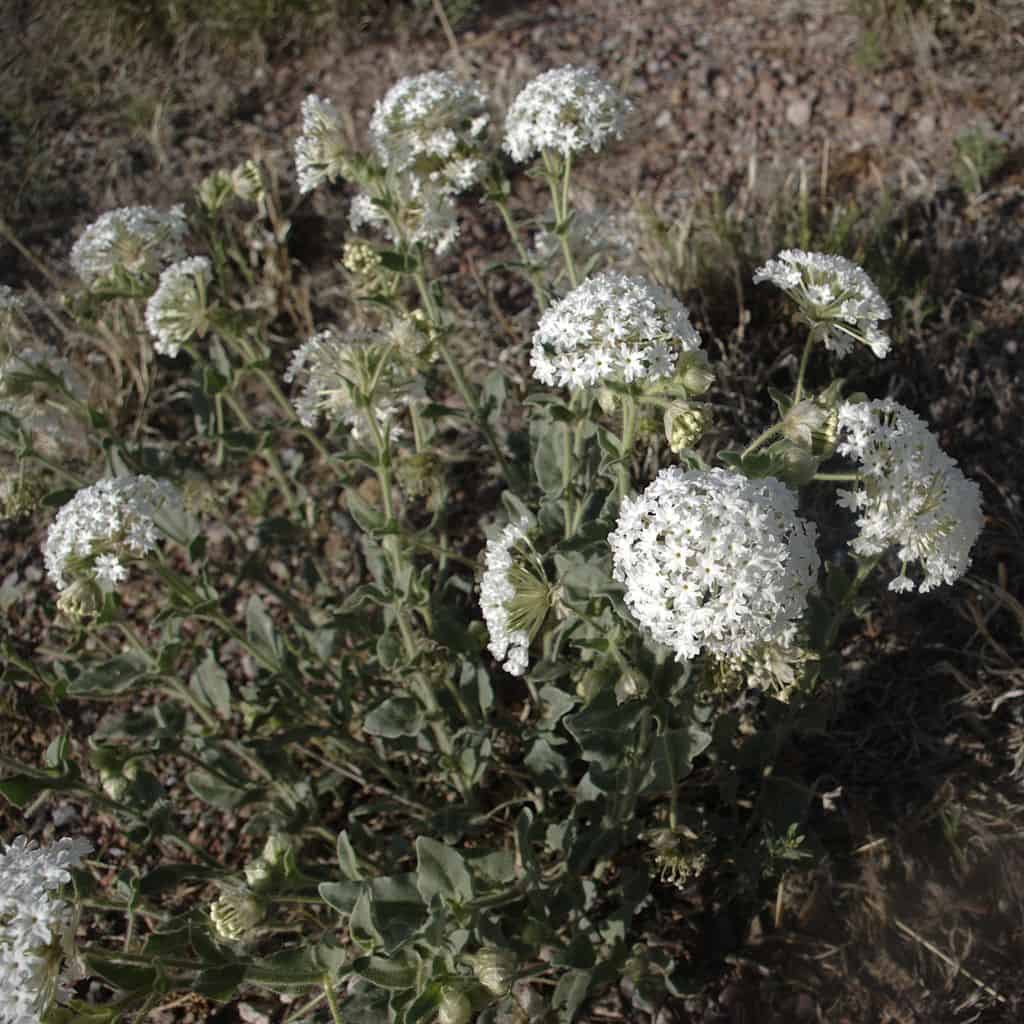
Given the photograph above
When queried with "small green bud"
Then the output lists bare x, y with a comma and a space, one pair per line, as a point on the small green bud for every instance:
694, 373
247, 182
360, 259
606, 400
215, 190
455, 1007
419, 474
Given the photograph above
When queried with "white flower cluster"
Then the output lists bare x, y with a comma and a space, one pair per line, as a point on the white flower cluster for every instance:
134, 239
320, 151
835, 296
336, 375
496, 591
911, 494
36, 928
712, 560
566, 110
177, 309
35, 384
432, 125
424, 215
612, 327
103, 525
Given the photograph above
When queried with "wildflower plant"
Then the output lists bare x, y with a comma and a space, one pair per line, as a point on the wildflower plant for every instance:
462, 759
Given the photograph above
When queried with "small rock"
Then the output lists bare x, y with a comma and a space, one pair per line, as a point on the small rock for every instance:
798, 113
663, 120
925, 125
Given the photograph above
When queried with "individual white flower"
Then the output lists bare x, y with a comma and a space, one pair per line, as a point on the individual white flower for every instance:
566, 110
835, 296
320, 151
117, 518
36, 927
711, 560
911, 495
177, 310
346, 377
513, 597
408, 210
133, 239
432, 125
611, 328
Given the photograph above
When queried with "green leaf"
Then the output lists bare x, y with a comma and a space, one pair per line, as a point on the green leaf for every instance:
214, 790
22, 789
603, 728
219, 983
57, 498
210, 684
677, 750
167, 877
362, 928
126, 977
113, 677
368, 518
341, 895
570, 992
397, 716
389, 974
440, 870
547, 457
347, 860
259, 627
397, 909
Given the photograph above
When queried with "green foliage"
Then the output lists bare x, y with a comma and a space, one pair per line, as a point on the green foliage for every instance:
980, 154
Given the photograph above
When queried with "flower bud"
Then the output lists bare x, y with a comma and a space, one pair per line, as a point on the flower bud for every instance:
455, 1007
629, 687
494, 969
235, 915
360, 258
247, 182
215, 190
684, 424
79, 600
694, 372
812, 426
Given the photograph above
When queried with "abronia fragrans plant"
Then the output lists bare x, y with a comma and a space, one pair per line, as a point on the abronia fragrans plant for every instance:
330, 663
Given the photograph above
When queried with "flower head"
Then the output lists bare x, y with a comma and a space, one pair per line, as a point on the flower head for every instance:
178, 309
835, 296
566, 110
409, 210
134, 239
102, 526
514, 596
432, 125
236, 914
612, 328
321, 153
712, 560
36, 927
911, 495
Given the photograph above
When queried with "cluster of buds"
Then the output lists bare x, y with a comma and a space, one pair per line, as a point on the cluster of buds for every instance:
236, 914
245, 182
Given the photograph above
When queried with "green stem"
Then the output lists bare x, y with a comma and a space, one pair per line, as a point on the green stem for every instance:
838, 477
673, 794
331, 1001
513, 230
798, 392
629, 410
760, 440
